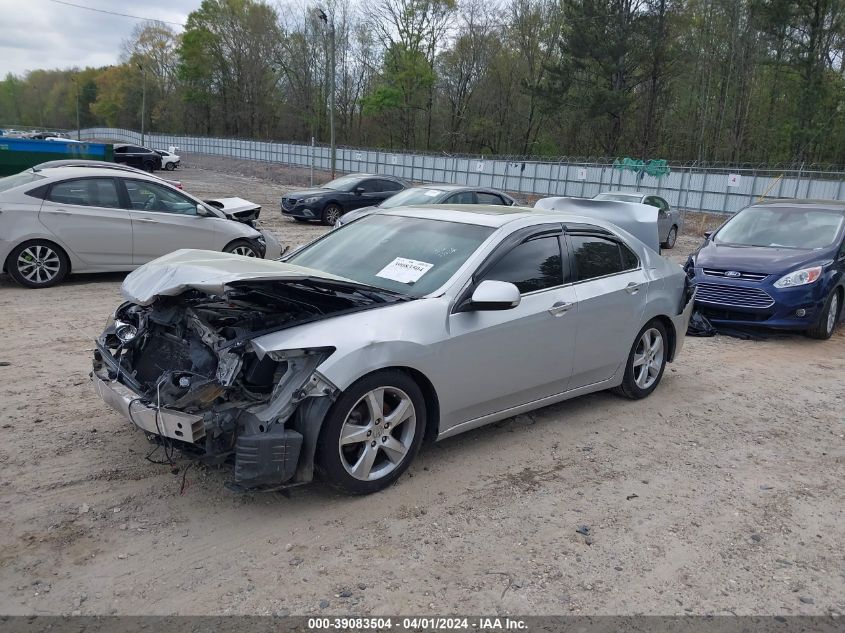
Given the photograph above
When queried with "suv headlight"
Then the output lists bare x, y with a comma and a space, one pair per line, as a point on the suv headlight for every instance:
799, 277
310, 200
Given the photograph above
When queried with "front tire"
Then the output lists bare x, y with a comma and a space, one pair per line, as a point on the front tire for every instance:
646, 362
372, 433
243, 248
331, 214
828, 317
170, 166
37, 264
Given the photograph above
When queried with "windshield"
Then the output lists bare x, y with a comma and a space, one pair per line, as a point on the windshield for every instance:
344, 183
414, 195
782, 228
413, 256
10, 182
619, 197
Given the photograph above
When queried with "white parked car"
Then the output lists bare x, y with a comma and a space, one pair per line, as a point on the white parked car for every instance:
56, 220
169, 160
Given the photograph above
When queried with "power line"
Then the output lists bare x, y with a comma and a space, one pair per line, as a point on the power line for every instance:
123, 15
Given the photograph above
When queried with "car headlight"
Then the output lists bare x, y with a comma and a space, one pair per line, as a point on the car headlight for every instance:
799, 277
310, 200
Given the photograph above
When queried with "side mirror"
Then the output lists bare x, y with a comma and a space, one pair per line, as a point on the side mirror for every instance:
359, 190
707, 234
202, 211
494, 295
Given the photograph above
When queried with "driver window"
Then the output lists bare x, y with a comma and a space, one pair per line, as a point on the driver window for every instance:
148, 196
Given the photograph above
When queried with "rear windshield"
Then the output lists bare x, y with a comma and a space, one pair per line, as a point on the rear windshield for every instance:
618, 197
782, 227
23, 178
413, 256
414, 195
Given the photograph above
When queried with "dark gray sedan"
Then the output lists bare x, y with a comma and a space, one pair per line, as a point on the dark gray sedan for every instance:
433, 194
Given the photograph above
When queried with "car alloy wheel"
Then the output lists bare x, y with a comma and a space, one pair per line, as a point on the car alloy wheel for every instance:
244, 250
331, 214
672, 237
39, 264
377, 433
649, 357
832, 313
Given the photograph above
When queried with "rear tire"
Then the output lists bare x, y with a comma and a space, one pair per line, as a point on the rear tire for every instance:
824, 326
331, 214
37, 264
671, 238
149, 166
646, 362
243, 248
372, 433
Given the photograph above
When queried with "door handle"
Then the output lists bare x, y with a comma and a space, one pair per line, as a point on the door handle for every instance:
632, 288
559, 308
147, 220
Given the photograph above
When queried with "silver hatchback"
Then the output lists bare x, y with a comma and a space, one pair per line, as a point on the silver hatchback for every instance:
98, 219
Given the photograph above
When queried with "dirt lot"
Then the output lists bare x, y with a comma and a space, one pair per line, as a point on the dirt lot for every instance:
721, 493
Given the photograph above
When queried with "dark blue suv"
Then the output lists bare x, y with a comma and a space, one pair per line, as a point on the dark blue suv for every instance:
778, 264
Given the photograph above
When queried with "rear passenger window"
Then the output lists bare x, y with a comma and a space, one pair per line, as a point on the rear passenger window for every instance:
489, 198
531, 266
88, 192
598, 256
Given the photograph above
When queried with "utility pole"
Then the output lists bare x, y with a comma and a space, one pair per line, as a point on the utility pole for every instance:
78, 131
143, 99
330, 23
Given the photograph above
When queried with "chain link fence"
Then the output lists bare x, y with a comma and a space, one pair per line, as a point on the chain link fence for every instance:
690, 186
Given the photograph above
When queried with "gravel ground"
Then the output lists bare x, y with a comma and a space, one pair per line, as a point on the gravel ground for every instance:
721, 493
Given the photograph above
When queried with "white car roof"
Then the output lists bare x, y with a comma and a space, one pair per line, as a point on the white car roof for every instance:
82, 172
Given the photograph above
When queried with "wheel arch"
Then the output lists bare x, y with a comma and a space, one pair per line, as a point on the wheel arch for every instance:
671, 334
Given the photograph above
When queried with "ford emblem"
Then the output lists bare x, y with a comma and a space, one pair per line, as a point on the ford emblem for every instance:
733, 273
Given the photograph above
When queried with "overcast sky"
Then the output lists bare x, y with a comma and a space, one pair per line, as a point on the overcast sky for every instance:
43, 34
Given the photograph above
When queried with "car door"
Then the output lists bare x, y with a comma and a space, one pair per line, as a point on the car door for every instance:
164, 220
366, 193
87, 216
611, 290
507, 358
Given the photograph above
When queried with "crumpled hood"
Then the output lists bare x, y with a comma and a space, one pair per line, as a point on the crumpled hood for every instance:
208, 271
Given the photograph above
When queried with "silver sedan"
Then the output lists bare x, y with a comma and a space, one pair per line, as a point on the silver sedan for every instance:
93, 218
669, 221
406, 325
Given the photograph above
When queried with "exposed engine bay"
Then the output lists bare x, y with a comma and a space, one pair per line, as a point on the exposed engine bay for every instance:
183, 369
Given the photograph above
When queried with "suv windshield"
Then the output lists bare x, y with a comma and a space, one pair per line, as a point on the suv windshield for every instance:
412, 256
10, 182
414, 195
782, 227
344, 183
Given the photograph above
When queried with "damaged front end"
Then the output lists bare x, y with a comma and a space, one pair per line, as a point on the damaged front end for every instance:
184, 370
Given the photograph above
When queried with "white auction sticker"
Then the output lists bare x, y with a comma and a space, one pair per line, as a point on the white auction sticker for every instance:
405, 271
